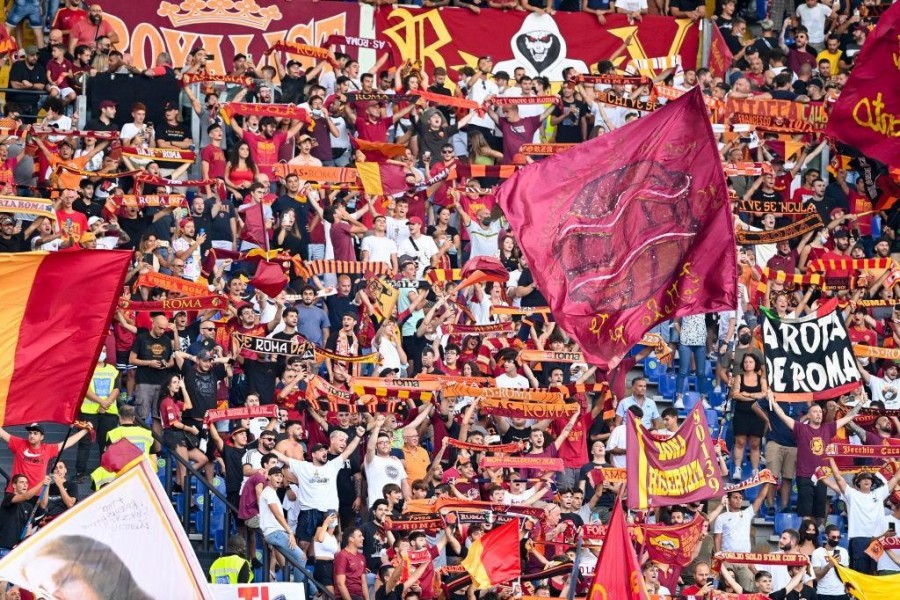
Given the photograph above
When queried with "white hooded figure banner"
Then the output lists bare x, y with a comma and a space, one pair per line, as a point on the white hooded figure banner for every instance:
540, 49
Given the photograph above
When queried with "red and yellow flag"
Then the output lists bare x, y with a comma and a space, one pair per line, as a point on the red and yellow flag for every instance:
617, 575
494, 559
56, 311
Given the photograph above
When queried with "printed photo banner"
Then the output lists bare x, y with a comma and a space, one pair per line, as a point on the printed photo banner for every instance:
187, 288
671, 544
551, 356
28, 206
764, 476
625, 102
811, 357
788, 232
678, 470
298, 346
165, 154
214, 302
544, 149
522, 462
526, 410
498, 448
782, 208
269, 411
854, 451
876, 352
384, 298
493, 329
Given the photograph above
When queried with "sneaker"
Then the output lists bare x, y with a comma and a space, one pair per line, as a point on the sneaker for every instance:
706, 404
737, 474
679, 403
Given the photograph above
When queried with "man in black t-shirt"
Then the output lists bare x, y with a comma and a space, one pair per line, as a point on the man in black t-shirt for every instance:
29, 76
349, 479
61, 495
10, 239
151, 353
15, 510
570, 118
172, 135
233, 456
201, 380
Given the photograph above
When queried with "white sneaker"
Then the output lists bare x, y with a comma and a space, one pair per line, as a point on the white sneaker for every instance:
737, 474
706, 405
679, 403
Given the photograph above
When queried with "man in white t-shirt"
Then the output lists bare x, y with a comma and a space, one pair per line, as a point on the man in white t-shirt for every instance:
510, 377
731, 530
884, 389
274, 526
418, 245
889, 562
381, 468
317, 483
484, 232
829, 584
813, 16
866, 518
378, 247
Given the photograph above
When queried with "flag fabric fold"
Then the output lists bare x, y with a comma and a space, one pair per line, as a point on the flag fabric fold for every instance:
56, 309
494, 559
865, 114
617, 575
629, 229
869, 587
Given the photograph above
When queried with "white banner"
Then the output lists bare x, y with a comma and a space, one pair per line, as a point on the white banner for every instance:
125, 541
259, 591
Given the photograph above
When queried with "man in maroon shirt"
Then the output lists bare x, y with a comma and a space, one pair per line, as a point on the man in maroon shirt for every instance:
812, 437
373, 125
350, 568
516, 129
343, 227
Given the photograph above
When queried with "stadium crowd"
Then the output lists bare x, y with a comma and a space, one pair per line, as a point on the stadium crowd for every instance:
326, 479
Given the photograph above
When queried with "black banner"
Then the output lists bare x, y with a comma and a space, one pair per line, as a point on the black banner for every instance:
810, 358
263, 345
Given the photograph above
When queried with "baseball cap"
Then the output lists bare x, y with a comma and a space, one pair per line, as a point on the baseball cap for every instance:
170, 106
185, 221
406, 259
291, 63
87, 237
108, 104
204, 354
416, 220
35, 427
93, 220
303, 137
4, 218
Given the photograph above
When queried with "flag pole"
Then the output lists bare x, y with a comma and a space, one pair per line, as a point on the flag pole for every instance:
46, 488
573, 577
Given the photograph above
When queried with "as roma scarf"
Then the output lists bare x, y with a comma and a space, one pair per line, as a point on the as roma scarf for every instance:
457, 389
494, 329
522, 462
426, 385
244, 412
551, 356
373, 358
854, 451
100, 174
443, 100
414, 522
634, 103
358, 42
284, 111
612, 79
498, 448
879, 545
764, 476
443, 275
521, 100
750, 169
166, 154
322, 174
153, 279
175, 304
517, 311
143, 201
50, 132
28, 206
307, 269
876, 352
849, 264
207, 77
380, 97
544, 149
526, 410
801, 227
146, 178
299, 49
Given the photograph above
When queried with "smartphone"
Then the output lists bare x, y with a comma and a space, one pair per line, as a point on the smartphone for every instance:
891, 528
210, 57
202, 231
249, 57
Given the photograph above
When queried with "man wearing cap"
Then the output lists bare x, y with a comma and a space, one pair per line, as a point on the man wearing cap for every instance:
884, 389
420, 246
26, 74
304, 157
372, 126
317, 490
31, 456
68, 180
866, 517
11, 237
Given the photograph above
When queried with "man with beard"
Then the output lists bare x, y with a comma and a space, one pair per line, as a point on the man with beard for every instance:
260, 374
252, 461
317, 486
483, 230
349, 478
265, 144
375, 537
202, 374
288, 333
152, 355
312, 321
787, 544
187, 248
292, 445
884, 389
88, 30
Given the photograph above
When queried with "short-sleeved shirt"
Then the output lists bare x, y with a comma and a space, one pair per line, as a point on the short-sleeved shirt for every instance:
86, 32
265, 150
353, 567
811, 446
373, 132
312, 320
648, 407
516, 134
342, 241
147, 347
317, 489
830, 584
29, 461
735, 530
215, 156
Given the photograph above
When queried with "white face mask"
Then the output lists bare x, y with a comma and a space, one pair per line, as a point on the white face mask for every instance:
102, 356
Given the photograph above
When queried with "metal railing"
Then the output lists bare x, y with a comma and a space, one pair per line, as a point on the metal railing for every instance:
192, 474
6, 91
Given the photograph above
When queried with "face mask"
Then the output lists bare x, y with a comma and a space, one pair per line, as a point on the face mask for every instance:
102, 356
745, 338
831, 543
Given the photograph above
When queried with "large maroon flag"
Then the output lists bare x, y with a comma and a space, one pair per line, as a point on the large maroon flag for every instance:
867, 112
629, 229
617, 575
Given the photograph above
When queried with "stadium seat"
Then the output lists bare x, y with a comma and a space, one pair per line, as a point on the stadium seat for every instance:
834, 519
667, 386
786, 521
654, 370
690, 400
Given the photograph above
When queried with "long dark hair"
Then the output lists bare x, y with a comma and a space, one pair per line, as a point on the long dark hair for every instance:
234, 158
